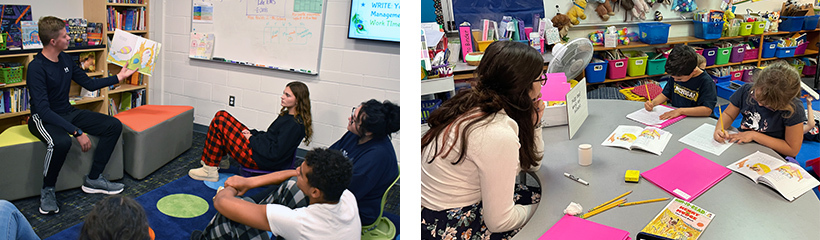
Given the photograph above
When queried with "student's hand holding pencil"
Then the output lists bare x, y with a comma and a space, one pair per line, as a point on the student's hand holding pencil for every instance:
648, 105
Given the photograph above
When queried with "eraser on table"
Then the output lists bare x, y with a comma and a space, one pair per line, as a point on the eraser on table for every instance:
632, 176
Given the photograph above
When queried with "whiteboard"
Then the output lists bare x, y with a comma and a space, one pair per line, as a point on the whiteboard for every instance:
274, 34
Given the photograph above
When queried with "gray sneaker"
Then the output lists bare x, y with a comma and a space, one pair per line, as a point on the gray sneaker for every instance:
101, 185
48, 201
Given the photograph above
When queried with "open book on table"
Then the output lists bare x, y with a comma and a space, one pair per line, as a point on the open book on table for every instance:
650, 139
678, 220
788, 179
652, 118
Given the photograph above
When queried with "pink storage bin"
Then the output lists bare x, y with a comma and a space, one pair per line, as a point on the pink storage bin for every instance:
738, 53
809, 70
801, 49
616, 69
736, 75
750, 54
748, 74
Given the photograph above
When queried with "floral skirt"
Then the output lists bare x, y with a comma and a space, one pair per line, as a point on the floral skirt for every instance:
468, 222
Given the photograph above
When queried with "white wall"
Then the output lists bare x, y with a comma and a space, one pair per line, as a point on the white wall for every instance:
59, 8
351, 71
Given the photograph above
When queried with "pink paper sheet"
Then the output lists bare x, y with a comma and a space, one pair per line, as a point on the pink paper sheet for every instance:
687, 173
575, 228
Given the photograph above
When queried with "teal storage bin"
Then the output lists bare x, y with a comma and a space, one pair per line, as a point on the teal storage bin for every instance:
656, 66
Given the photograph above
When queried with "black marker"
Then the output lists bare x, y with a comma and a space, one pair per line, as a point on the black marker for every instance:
219, 59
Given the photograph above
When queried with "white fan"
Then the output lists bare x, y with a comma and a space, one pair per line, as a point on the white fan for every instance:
571, 58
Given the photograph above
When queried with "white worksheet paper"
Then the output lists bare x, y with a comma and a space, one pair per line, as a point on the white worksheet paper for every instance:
703, 139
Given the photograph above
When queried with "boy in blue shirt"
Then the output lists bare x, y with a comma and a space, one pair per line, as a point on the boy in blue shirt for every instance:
692, 92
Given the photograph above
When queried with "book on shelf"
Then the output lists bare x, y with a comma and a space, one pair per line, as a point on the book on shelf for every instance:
687, 175
112, 107
125, 101
31, 35
788, 179
139, 53
652, 118
650, 139
678, 220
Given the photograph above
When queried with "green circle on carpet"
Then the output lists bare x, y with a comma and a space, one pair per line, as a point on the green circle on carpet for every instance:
182, 205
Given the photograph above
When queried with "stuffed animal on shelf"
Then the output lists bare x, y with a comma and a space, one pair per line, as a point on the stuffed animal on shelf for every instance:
774, 21
601, 10
628, 5
640, 9
728, 15
562, 22
577, 11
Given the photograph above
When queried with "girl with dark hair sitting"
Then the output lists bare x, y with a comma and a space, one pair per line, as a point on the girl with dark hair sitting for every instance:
367, 145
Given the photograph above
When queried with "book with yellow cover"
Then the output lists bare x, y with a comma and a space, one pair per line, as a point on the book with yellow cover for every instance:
680, 220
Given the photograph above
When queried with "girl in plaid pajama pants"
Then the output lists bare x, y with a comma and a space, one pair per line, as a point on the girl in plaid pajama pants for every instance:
270, 150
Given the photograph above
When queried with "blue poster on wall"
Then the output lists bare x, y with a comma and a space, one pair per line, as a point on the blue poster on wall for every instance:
11, 16
474, 10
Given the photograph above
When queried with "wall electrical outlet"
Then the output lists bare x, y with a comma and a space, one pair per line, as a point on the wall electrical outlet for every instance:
231, 101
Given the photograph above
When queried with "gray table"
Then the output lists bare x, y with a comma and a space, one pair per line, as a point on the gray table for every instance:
743, 209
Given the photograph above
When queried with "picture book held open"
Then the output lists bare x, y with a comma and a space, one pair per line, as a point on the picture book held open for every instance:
652, 118
788, 179
687, 175
571, 227
138, 52
678, 220
650, 139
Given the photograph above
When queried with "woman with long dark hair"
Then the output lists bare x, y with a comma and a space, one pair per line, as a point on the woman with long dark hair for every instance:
478, 142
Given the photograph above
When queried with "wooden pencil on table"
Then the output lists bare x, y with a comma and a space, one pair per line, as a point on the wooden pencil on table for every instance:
647, 92
644, 201
604, 208
610, 201
720, 119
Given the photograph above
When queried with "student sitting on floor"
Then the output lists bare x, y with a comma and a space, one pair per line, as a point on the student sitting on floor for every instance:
116, 217
13, 225
693, 90
770, 111
367, 145
316, 205
478, 142
272, 150
810, 130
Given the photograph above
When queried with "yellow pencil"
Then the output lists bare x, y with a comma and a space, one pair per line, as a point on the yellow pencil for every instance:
647, 92
720, 119
644, 201
607, 202
604, 208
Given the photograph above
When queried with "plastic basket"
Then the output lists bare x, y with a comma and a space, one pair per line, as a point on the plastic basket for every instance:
809, 70
750, 54
596, 72
759, 27
799, 66
710, 54
736, 75
616, 69
732, 31
657, 66
810, 22
723, 55
724, 91
738, 53
748, 74
791, 23
11, 74
708, 30
427, 107
627, 92
769, 49
784, 52
5, 37
721, 79
637, 65
654, 32
801, 49
746, 28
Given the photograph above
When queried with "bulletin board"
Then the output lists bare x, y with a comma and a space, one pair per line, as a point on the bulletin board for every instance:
273, 34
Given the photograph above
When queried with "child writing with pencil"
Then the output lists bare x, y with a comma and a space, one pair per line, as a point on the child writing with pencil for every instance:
692, 92
769, 107
810, 130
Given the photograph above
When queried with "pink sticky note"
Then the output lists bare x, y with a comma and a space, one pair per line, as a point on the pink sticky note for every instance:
556, 88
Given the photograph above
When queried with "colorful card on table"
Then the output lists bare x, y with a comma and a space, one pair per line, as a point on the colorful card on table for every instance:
571, 227
556, 88
687, 175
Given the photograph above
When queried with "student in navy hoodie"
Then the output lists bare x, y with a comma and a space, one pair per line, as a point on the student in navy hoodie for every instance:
54, 121
367, 144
